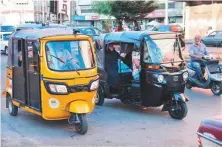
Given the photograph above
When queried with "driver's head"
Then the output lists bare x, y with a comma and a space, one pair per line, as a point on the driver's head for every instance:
111, 47
197, 39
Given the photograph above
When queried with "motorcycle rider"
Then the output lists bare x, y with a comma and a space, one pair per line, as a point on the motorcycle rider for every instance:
197, 51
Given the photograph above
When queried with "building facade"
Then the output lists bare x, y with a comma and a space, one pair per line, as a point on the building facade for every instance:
16, 12
202, 15
41, 11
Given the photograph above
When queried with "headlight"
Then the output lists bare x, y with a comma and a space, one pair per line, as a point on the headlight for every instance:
160, 78
54, 88
94, 85
185, 76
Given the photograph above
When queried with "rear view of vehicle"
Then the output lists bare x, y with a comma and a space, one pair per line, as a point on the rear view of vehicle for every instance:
209, 133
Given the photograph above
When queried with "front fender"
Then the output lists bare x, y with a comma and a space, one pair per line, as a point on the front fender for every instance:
79, 107
180, 97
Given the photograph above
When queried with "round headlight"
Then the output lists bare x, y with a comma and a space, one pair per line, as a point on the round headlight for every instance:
185, 75
160, 78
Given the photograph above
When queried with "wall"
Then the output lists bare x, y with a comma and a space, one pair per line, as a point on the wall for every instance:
199, 18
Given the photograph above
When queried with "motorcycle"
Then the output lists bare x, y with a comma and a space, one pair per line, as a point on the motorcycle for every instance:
212, 72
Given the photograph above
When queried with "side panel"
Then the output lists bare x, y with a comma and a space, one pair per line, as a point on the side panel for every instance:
18, 84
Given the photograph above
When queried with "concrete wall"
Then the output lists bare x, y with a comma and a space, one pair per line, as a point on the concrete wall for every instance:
199, 18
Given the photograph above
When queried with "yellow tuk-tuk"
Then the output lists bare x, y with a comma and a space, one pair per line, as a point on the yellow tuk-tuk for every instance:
52, 72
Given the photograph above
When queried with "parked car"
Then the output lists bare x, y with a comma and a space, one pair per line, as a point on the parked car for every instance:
209, 132
4, 38
92, 31
214, 39
7, 28
168, 28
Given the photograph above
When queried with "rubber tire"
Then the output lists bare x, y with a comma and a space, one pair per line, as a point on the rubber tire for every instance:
83, 126
219, 93
6, 49
183, 112
14, 111
188, 84
100, 95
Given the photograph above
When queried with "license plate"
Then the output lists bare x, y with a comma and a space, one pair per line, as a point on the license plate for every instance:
175, 78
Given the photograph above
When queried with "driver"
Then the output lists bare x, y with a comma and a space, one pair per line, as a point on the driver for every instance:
197, 51
136, 65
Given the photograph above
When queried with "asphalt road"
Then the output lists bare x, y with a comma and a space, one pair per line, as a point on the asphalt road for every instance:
114, 124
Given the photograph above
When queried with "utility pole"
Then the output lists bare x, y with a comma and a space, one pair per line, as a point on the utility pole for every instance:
43, 12
166, 12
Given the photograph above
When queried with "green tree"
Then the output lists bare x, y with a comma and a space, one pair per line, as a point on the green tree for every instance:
125, 10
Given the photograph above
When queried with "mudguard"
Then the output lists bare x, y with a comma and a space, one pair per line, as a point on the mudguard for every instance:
180, 97
79, 107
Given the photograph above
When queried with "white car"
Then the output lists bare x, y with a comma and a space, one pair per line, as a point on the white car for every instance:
4, 37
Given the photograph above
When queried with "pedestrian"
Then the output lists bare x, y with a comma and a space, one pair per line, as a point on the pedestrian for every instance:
209, 30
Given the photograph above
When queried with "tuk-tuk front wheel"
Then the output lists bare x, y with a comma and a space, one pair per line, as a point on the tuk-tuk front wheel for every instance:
81, 124
216, 89
100, 96
13, 110
178, 110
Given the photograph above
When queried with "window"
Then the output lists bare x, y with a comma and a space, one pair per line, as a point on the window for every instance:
69, 55
5, 37
33, 58
20, 54
7, 29
163, 50
87, 11
213, 34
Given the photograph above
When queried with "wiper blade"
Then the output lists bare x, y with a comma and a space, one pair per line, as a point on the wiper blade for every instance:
57, 58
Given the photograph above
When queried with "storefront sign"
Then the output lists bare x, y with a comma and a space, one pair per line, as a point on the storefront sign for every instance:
95, 17
64, 7
78, 17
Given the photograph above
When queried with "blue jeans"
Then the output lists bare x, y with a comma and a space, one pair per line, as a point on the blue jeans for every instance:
197, 67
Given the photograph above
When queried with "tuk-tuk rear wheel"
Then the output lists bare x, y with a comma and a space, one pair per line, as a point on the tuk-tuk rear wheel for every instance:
178, 110
13, 110
216, 89
188, 84
81, 125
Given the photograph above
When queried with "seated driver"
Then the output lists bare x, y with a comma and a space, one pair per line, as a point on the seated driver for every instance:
66, 56
197, 51
136, 65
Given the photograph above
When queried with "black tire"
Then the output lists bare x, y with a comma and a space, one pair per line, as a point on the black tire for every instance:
216, 89
13, 110
178, 114
188, 84
6, 50
100, 96
81, 127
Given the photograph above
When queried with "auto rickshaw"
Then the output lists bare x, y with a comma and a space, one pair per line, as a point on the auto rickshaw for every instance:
161, 73
52, 72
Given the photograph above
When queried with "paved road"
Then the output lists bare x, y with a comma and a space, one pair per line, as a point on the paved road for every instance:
111, 125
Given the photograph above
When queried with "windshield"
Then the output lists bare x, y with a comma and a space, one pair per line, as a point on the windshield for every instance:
6, 37
69, 55
7, 29
161, 51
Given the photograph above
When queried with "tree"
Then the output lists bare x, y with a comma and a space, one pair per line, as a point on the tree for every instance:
125, 10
